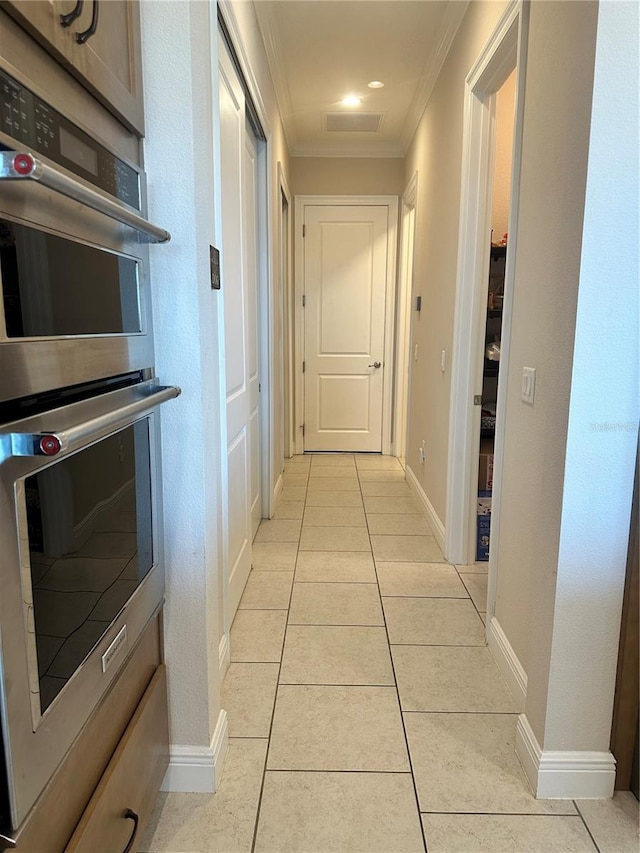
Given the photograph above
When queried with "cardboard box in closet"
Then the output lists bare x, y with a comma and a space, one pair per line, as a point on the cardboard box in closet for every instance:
485, 467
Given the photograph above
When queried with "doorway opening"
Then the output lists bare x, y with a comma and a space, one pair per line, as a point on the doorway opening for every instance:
504, 54
500, 196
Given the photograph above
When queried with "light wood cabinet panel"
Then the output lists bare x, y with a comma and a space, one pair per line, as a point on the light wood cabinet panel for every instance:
54, 817
132, 779
109, 63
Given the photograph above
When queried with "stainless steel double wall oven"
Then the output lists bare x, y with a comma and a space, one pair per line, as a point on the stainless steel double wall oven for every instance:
81, 571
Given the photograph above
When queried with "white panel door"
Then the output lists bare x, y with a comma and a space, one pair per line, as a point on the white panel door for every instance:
250, 242
239, 288
345, 282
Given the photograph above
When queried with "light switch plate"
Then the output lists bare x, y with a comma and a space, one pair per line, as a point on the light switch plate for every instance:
528, 385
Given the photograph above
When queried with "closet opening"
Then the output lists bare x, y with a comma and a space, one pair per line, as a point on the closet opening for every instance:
501, 193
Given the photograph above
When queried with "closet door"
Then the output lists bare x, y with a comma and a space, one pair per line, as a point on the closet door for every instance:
239, 290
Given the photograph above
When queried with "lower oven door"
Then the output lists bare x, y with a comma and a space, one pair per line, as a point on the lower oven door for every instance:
81, 569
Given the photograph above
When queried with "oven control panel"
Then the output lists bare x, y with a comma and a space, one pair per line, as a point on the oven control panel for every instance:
33, 123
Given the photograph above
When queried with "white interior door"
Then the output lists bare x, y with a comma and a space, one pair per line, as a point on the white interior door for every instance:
250, 244
239, 283
345, 282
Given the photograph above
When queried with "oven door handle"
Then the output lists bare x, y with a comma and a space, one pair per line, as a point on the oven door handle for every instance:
55, 442
23, 166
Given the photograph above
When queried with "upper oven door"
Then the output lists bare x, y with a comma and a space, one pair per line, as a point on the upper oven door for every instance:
81, 570
74, 247
75, 293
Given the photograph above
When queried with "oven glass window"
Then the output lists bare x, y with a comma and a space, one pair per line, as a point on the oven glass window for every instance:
90, 544
54, 286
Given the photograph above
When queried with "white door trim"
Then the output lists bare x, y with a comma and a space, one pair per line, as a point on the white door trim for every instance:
227, 12
287, 313
405, 296
505, 50
266, 321
391, 202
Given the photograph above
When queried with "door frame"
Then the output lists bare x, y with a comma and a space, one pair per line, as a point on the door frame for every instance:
391, 203
286, 296
403, 308
504, 52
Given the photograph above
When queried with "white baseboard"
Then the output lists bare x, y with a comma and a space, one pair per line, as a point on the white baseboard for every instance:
198, 769
224, 654
552, 774
277, 489
432, 516
508, 663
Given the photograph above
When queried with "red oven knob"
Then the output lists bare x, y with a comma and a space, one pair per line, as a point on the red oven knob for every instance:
50, 445
23, 164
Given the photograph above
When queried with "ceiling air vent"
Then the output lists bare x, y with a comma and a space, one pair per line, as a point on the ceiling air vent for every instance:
362, 122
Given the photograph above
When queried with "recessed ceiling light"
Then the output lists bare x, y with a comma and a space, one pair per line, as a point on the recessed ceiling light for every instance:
351, 101
375, 84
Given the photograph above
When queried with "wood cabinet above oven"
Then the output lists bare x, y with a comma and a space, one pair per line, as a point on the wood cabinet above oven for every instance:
98, 42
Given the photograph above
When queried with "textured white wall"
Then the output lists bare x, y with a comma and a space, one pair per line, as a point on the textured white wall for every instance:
180, 74
178, 55
604, 409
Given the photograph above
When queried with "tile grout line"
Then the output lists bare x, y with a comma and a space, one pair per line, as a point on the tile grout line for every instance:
395, 681
275, 698
586, 825
471, 597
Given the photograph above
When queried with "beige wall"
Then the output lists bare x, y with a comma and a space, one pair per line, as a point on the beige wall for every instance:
436, 154
547, 269
503, 156
347, 175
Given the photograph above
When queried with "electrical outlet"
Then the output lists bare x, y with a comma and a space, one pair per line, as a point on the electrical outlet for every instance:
443, 360
422, 452
415, 353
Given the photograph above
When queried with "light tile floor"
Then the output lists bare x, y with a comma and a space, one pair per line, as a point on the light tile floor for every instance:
365, 710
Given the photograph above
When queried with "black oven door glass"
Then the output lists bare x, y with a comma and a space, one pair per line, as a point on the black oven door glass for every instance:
90, 545
53, 286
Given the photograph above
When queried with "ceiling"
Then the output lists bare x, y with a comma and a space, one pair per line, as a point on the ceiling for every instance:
320, 51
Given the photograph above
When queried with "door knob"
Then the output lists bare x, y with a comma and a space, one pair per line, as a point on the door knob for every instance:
376, 364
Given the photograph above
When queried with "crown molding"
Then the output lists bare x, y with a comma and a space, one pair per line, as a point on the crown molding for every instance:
449, 26
268, 27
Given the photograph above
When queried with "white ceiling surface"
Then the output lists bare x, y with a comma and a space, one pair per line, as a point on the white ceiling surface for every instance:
319, 51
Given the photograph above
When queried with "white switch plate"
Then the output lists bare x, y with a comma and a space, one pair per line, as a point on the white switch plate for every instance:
443, 360
415, 353
528, 384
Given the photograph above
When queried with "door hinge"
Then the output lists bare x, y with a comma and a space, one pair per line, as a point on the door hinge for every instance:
304, 230
304, 300
304, 366
259, 387
477, 399
302, 428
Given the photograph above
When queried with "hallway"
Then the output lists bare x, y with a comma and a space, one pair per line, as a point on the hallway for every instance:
365, 710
